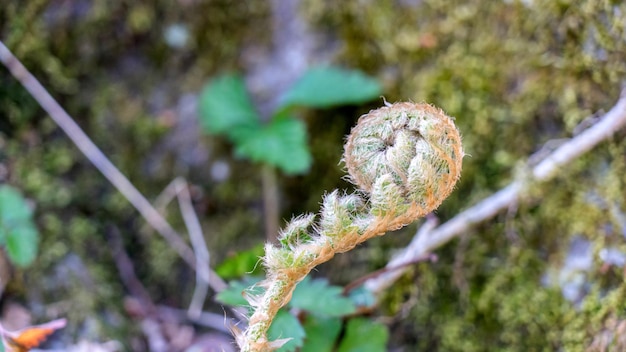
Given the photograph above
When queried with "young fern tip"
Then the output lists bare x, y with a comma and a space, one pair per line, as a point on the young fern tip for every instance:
406, 159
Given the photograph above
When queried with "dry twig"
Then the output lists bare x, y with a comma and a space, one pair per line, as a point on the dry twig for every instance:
94, 154
106, 167
426, 241
199, 247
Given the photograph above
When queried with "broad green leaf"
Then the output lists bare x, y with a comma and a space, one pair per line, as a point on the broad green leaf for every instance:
286, 326
321, 333
363, 335
323, 87
233, 295
18, 232
317, 297
242, 263
226, 106
282, 143
1, 346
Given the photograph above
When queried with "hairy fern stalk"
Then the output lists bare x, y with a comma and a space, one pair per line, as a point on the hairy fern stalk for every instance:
405, 158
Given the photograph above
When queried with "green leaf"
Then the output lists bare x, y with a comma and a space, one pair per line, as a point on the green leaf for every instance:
21, 245
233, 295
17, 229
225, 106
13, 207
329, 86
317, 297
242, 263
286, 326
282, 143
363, 335
321, 333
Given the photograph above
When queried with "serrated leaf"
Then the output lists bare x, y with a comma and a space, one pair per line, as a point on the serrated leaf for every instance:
282, 143
323, 87
317, 297
242, 263
321, 333
233, 295
225, 106
18, 232
286, 326
363, 335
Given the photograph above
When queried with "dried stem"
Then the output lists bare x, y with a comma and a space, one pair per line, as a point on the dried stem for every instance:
427, 241
94, 154
102, 163
198, 244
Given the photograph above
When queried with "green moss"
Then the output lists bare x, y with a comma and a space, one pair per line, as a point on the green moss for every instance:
110, 68
515, 75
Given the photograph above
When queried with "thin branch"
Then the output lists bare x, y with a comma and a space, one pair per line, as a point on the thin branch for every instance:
361, 280
154, 335
151, 315
199, 260
427, 241
94, 154
207, 319
161, 201
171, 191
199, 247
127, 271
150, 320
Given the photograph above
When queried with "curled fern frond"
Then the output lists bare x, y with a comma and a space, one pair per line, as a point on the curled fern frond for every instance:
406, 158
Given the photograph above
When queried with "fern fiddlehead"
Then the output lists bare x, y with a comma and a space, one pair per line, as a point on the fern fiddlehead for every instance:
406, 158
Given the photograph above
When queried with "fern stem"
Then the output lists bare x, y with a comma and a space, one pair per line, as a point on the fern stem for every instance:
407, 157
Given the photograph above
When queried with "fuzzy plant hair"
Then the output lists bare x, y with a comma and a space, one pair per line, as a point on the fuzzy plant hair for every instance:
405, 158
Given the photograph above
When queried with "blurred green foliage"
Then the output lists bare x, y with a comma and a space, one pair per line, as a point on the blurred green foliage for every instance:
324, 314
325, 87
244, 262
227, 109
18, 234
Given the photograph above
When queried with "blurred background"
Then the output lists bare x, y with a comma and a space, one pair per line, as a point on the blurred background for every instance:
548, 274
